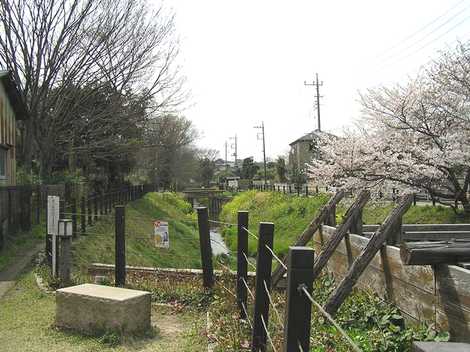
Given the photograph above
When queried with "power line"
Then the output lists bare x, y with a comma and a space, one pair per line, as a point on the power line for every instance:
420, 48
407, 38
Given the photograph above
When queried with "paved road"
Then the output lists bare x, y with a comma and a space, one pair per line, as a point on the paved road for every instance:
10, 274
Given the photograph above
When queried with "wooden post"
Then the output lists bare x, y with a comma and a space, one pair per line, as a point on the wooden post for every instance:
360, 264
89, 211
331, 219
298, 189
395, 236
356, 226
95, 203
309, 231
38, 204
298, 313
329, 248
83, 215
242, 265
306, 190
206, 249
74, 218
1, 238
284, 189
103, 203
263, 277
65, 235
120, 242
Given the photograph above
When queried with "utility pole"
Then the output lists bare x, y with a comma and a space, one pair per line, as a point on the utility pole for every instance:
226, 153
316, 84
264, 150
234, 146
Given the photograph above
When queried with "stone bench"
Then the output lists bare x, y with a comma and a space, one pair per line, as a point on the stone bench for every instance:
440, 347
94, 309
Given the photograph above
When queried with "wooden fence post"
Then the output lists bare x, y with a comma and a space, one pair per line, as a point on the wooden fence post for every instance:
1, 238
95, 203
396, 233
83, 215
242, 265
65, 235
356, 226
206, 249
330, 246
38, 204
74, 218
298, 312
263, 277
89, 211
306, 190
360, 264
120, 243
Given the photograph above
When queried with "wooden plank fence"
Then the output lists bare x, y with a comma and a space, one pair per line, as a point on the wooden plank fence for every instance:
439, 295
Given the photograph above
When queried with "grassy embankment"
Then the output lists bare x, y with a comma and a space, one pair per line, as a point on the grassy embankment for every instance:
184, 252
291, 215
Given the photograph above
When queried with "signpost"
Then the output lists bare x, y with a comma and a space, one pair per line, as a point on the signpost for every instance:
53, 227
161, 234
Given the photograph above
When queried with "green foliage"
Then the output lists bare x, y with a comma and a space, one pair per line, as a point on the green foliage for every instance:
249, 168
290, 216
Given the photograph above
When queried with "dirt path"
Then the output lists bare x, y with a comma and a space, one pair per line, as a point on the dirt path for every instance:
9, 275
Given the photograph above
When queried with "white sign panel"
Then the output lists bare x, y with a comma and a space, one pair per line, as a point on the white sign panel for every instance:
53, 208
161, 234
53, 215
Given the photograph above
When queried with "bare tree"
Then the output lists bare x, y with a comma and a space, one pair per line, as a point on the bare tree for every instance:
68, 54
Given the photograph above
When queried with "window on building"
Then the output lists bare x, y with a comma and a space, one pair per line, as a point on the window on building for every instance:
3, 163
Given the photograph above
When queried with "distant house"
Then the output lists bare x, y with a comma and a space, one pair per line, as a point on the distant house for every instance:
11, 110
303, 150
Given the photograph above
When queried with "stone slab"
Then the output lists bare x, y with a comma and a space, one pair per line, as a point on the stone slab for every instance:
94, 309
440, 347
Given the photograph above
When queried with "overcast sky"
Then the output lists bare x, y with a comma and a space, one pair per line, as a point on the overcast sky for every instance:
246, 61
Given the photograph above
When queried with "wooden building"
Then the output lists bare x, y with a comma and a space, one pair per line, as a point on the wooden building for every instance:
11, 110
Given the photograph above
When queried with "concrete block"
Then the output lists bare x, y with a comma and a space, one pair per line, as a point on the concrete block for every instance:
93, 309
440, 347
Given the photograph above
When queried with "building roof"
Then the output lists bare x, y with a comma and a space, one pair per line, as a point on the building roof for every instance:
14, 95
309, 137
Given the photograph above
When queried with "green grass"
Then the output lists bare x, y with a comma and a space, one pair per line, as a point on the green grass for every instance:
291, 214
27, 324
21, 243
184, 251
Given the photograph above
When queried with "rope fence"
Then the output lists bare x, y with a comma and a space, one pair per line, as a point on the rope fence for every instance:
298, 310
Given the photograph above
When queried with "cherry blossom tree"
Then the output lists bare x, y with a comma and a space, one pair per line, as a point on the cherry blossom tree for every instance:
413, 136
